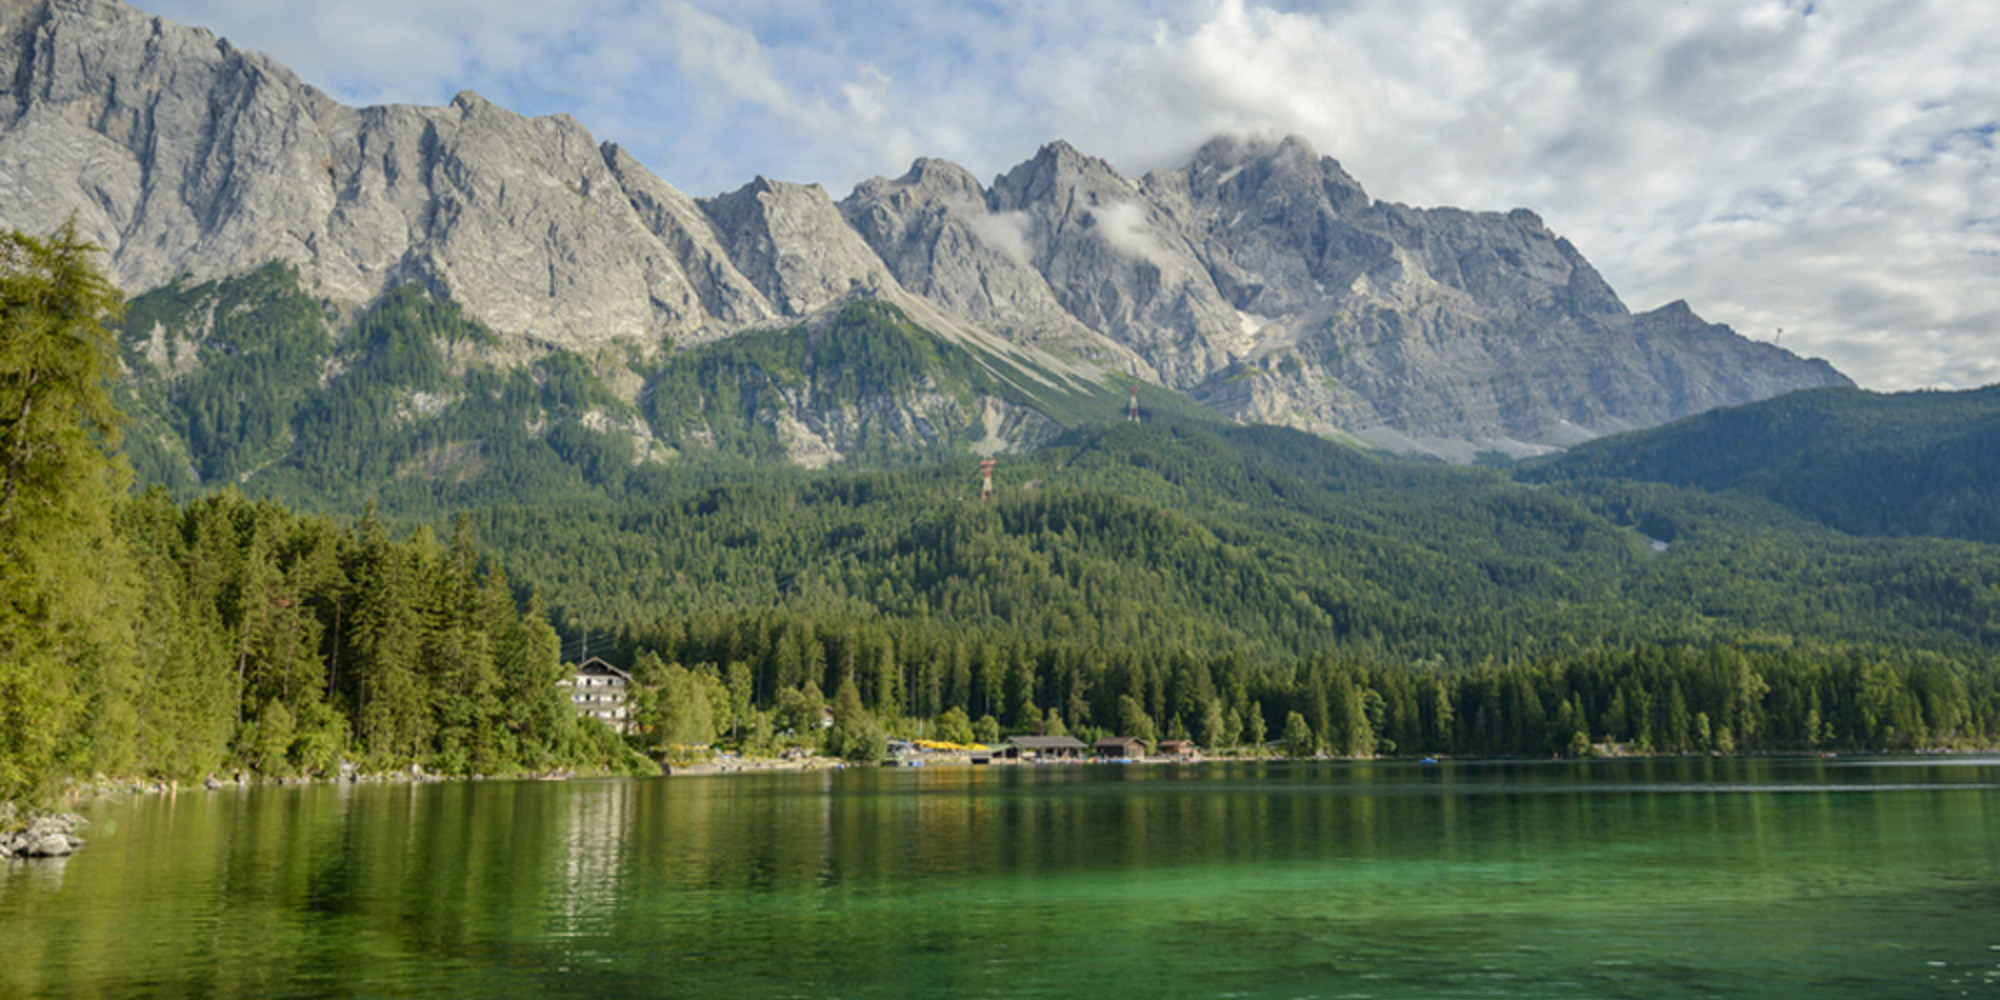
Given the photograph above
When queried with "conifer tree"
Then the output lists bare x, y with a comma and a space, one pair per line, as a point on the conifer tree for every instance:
854, 737
66, 606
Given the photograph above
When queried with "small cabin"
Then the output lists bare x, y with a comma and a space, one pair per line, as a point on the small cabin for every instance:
1120, 748
1180, 749
598, 691
1045, 748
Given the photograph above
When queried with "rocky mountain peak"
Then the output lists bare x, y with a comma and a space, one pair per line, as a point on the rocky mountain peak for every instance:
1056, 175
791, 241
1258, 276
1279, 176
943, 176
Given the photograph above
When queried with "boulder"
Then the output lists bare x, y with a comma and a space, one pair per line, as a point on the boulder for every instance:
51, 836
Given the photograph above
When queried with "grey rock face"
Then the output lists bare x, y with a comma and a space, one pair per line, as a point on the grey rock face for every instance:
1261, 278
1258, 277
184, 155
1441, 329
678, 222
938, 232
793, 245
1119, 262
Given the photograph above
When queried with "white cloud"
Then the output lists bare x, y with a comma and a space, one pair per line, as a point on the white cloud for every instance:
1777, 168
1004, 231
1827, 167
1122, 226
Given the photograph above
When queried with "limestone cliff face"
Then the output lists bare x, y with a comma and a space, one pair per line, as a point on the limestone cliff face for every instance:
792, 244
1261, 279
186, 156
1258, 277
941, 235
1118, 262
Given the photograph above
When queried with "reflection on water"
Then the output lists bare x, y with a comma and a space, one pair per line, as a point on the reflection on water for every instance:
1624, 878
597, 827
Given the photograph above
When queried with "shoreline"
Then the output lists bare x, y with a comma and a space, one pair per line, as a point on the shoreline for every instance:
38, 833
13, 817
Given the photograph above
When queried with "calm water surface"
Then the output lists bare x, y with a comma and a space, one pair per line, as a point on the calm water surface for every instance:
1609, 879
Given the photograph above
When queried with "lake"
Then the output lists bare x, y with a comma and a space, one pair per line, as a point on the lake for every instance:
1665, 878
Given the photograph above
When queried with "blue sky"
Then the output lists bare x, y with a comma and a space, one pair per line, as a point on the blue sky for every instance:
1824, 168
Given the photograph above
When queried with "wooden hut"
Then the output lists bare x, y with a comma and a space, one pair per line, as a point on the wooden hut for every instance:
1045, 747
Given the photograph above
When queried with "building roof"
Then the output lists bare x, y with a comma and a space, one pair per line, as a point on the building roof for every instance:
1120, 741
596, 667
1046, 742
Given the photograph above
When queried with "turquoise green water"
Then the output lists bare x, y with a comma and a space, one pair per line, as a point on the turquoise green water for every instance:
1611, 879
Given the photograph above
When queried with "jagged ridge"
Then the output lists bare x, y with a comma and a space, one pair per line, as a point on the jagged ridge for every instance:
1258, 277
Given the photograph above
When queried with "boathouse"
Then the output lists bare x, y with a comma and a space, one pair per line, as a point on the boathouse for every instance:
1045, 748
1120, 748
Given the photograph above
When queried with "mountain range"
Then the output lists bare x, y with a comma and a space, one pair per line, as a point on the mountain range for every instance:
1257, 280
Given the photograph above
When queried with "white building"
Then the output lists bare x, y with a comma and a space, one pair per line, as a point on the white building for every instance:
598, 691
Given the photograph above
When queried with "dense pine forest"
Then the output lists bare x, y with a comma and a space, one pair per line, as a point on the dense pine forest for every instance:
380, 571
1904, 464
140, 636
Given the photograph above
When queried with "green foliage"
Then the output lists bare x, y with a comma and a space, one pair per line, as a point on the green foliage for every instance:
854, 737
1182, 578
284, 643
731, 398
953, 726
248, 382
242, 381
1916, 463
1176, 576
677, 714
221, 373
1269, 544
1298, 736
66, 602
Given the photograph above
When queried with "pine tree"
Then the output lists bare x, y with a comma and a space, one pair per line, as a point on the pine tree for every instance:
67, 609
854, 737
1298, 736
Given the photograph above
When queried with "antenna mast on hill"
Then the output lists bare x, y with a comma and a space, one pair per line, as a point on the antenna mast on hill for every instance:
1132, 404
986, 478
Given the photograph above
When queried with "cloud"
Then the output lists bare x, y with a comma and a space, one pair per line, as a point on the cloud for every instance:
1122, 226
1824, 167
1004, 231
1821, 168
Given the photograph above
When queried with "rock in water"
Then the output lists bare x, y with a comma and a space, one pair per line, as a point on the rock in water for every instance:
49, 836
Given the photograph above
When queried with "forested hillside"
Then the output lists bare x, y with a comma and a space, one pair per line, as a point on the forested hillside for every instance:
1244, 586
248, 382
1212, 573
138, 637
1258, 539
1914, 463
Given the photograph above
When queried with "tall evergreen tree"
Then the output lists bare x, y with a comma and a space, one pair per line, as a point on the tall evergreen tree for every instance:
66, 608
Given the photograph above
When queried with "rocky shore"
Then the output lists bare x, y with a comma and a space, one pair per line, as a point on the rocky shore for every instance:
39, 835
